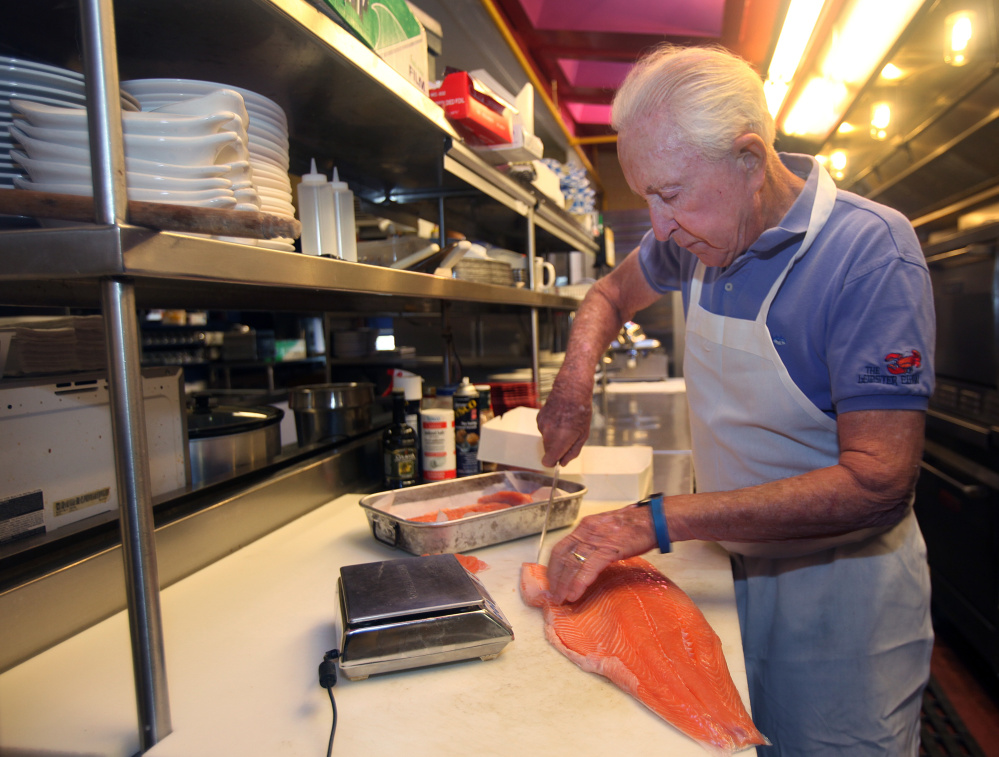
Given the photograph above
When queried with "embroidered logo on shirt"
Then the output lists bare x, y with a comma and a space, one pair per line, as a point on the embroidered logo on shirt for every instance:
901, 366
899, 363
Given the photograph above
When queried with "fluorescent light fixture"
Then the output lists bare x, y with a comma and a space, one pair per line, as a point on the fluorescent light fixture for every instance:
799, 23
960, 29
858, 41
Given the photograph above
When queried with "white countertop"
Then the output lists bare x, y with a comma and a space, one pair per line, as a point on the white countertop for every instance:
244, 638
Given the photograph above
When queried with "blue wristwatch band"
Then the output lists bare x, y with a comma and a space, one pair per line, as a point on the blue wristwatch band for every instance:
655, 503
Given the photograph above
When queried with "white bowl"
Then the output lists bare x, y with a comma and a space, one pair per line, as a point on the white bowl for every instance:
220, 100
215, 198
224, 147
46, 171
162, 124
180, 89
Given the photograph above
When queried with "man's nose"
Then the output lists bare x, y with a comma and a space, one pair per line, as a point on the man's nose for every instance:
663, 223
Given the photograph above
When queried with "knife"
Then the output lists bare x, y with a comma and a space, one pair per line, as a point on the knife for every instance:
548, 512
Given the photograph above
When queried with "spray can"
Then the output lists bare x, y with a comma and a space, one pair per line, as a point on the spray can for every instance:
486, 414
437, 444
466, 428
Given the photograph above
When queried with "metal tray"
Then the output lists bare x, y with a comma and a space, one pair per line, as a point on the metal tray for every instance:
473, 531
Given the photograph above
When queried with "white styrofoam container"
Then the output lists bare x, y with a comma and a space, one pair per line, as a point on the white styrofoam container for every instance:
55, 443
608, 473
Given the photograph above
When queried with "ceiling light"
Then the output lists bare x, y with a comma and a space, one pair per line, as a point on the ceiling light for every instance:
880, 118
891, 72
960, 28
799, 23
856, 44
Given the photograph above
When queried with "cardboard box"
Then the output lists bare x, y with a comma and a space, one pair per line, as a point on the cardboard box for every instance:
609, 473
389, 28
478, 114
58, 459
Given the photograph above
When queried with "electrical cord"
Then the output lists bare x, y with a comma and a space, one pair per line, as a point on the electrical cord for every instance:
327, 679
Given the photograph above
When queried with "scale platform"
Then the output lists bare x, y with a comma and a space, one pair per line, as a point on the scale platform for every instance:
413, 612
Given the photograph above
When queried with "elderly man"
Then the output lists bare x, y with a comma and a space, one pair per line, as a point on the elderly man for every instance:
808, 366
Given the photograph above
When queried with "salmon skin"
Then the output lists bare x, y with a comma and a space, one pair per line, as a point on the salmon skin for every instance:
640, 630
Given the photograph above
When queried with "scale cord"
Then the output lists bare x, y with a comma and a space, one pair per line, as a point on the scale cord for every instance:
327, 679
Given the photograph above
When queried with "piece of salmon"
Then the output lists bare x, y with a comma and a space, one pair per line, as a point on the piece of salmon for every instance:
457, 513
507, 497
640, 630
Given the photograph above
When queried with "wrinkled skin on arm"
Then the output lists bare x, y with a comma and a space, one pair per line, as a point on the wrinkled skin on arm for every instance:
564, 421
870, 486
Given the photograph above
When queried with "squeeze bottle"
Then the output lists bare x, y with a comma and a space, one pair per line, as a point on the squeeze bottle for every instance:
315, 211
343, 212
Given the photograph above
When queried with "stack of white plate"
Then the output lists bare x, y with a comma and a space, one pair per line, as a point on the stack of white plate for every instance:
37, 82
267, 138
170, 158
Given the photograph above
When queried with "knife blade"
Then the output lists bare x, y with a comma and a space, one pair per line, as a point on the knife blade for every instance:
548, 513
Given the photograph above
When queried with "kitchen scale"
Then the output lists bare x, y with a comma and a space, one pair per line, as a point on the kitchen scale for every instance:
413, 612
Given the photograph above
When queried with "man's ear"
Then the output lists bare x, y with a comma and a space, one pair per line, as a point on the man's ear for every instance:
750, 154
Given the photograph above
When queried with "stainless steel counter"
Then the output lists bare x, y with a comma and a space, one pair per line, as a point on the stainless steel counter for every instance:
637, 413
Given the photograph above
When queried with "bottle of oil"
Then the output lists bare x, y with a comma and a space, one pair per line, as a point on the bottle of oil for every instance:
399, 448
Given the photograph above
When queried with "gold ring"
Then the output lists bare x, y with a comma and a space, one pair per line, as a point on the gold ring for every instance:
579, 557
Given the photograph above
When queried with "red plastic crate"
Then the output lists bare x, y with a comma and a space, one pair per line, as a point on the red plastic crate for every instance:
508, 395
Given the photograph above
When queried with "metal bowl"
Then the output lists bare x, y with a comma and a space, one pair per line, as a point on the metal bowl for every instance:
331, 412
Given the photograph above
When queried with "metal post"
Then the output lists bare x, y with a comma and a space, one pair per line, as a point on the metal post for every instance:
107, 145
531, 282
128, 424
135, 507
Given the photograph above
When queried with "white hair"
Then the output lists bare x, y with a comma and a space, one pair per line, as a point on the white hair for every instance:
709, 96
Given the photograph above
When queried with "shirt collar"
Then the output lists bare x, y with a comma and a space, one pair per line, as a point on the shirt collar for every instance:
794, 224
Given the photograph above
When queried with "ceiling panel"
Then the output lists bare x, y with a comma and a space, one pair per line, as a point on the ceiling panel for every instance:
582, 50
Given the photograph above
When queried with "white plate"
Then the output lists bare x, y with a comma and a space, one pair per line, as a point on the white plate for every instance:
260, 128
277, 244
7, 94
277, 207
163, 124
54, 93
262, 152
29, 77
274, 194
277, 146
266, 182
22, 63
215, 198
188, 88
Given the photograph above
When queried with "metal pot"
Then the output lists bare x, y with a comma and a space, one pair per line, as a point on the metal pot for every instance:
227, 440
331, 412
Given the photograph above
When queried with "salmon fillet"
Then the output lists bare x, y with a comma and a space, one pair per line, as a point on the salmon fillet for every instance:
457, 513
640, 630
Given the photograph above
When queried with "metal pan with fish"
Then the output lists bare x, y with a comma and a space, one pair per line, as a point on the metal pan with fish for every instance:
467, 513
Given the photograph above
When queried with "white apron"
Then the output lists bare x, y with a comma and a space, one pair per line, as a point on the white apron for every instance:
836, 631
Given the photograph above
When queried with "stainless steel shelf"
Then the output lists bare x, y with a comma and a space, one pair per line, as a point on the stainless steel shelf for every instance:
63, 267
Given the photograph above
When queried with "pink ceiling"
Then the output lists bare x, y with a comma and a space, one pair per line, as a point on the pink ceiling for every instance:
582, 49
594, 73
666, 17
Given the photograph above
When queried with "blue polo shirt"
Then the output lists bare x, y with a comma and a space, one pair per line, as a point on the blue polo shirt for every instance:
853, 321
